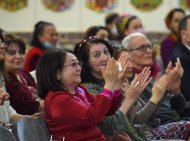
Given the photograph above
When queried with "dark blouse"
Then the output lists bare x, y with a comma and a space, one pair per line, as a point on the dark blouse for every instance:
22, 95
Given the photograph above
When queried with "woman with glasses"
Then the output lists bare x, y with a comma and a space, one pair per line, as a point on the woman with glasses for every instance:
70, 110
95, 53
19, 83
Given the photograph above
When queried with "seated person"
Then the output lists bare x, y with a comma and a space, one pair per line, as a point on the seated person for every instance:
19, 83
95, 53
70, 111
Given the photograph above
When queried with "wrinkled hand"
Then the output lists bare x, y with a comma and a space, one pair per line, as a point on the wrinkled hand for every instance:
159, 89
121, 75
138, 84
110, 74
174, 75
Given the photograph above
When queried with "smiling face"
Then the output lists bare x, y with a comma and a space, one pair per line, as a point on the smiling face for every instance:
14, 58
140, 58
98, 57
69, 75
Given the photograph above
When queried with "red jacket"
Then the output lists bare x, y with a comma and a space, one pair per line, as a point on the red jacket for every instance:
76, 119
32, 58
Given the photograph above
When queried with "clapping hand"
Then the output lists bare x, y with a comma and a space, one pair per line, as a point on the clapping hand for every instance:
159, 89
174, 75
110, 74
138, 84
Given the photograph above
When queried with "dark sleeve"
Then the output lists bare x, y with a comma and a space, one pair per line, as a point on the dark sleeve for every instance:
20, 98
178, 103
145, 113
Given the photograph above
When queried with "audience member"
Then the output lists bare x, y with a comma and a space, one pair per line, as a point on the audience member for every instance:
170, 42
58, 78
110, 23
128, 23
140, 49
143, 113
98, 31
19, 84
44, 37
7, 113
183, 52
95, 53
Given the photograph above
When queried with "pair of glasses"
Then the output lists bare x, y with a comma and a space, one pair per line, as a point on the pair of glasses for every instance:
74, 65
143, 48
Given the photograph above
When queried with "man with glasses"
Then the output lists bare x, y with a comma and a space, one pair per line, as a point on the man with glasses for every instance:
172, 102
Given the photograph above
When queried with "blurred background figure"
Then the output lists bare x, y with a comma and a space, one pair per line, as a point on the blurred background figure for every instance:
128, 23
45, 36
170, 42
110, 23
101, 32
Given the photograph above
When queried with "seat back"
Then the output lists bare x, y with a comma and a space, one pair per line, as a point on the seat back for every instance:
29, 129
6, 135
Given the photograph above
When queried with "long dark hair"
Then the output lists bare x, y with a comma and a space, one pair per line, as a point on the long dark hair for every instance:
46, 71
81, 50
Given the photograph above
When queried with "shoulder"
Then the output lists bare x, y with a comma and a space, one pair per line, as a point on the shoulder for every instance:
34, 51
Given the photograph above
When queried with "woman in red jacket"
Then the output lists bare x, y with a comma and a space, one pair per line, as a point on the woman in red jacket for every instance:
44, 37
70, 111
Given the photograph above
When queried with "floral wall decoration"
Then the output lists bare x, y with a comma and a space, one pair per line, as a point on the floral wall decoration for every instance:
57, 5
146, 5
185, 4
13, 5
101, 5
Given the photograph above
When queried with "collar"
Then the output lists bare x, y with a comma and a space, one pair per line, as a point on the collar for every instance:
188, 47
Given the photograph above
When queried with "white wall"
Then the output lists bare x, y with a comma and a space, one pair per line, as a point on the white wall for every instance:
78, 17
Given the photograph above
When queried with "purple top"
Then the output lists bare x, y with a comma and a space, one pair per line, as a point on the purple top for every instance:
167, 47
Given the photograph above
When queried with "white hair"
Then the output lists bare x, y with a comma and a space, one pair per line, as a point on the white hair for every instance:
126, 42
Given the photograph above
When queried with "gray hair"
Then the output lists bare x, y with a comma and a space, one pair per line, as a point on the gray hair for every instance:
126, 42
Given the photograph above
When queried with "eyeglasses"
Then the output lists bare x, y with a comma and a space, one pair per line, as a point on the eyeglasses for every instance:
143, 48
74, 64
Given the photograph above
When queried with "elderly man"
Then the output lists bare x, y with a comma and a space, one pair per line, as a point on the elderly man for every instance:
172, 102
183, 52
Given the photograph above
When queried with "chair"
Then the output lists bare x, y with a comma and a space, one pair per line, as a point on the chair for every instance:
29, 129
5, 134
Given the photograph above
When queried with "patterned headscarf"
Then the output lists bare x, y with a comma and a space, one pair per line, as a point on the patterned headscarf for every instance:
123, 21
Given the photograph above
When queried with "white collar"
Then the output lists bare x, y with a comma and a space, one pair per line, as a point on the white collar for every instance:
188, 47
